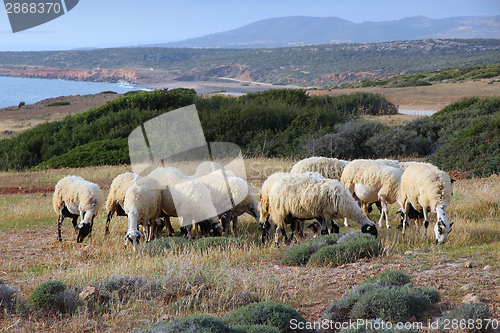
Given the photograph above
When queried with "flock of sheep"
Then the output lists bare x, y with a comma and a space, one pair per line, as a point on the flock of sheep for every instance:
317, 188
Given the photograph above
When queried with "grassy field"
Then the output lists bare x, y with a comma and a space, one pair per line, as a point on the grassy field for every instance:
214, 280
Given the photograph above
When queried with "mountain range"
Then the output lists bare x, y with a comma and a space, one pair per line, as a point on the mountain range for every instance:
303, 30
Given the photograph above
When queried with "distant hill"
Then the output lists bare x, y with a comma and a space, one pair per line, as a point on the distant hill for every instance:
302, 30
317, 65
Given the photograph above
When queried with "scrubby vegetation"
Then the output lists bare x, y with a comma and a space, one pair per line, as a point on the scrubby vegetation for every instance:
455, 74
389, 296
332, 250
275, 123
302, 65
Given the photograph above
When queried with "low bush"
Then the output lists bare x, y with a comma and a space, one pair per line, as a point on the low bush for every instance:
389, 296
398, 141
266, 313
216, 242
299, 254
389, 278
366, 246
254, 329
159, 245
8, 296
104, 152
198, 323
53, 296
475, 312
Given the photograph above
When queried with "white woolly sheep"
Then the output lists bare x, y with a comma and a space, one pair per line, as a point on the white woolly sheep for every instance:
427, 188
330, 168
372, 181
227, 194
309, 195
74, 197
116, 196
206, 167
142, 204
295, 223
186, 198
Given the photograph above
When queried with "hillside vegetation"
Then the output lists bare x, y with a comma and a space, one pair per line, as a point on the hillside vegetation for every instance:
318, 65
275, 123
455, 74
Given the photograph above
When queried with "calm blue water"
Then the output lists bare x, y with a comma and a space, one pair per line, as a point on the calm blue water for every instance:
14, 90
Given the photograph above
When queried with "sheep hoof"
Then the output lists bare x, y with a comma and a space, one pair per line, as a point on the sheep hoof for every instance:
277, 244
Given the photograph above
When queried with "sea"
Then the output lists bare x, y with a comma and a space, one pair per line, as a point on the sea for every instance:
14, 90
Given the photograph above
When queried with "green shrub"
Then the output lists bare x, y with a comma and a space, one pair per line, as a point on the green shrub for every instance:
334, 255
265, 313
216, 242
159, 245
254, 329
121, 288
389, 278
385, 303
105, 152
59, 104
198, 323
476, 312
53, 296
8, 296
397, 141
389, 296
299, 254
377, 326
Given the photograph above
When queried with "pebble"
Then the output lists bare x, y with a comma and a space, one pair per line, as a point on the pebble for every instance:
466, 287
468, 264
487, 267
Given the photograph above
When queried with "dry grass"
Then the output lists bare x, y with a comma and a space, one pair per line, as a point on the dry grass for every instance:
208, 282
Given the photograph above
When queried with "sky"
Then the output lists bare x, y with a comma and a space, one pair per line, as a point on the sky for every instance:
114, 23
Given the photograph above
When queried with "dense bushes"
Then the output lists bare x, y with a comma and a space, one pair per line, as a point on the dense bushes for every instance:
271, 123
332, 250
285, 123
389, 296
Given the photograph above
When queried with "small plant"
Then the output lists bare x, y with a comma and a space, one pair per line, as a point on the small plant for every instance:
59, 103
389, 296
199, 323
216, 242
159, 245
254, 329
265, 313
301, 253
8, 296
475, 312
53, 296
366, 246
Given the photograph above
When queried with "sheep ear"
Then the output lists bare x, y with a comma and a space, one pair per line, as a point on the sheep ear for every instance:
451, 224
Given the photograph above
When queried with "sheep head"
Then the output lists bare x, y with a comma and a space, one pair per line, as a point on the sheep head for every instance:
443, 226
369, 229
133, 236
83, 230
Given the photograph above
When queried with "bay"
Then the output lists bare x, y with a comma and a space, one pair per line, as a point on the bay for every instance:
14, 90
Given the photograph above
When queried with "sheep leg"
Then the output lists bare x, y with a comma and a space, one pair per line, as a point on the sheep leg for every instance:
59, 222
235, 225
345, 222
426, 219
168, 225
108, 219
406, 211
364, 207
226, 220
384, 213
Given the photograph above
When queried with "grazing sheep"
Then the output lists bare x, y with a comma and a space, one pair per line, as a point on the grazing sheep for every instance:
206, 167
186, 198
116, 196
231, 196
330, 168
142, 204
427, 188
309, 195
295, 223
73, 197
372, 181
